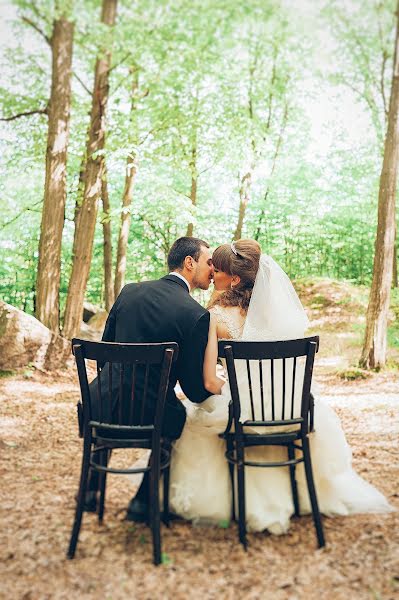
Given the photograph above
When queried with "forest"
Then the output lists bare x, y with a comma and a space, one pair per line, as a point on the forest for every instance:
125, 124
212, 119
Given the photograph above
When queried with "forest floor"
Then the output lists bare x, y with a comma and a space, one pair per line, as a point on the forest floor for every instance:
40, 467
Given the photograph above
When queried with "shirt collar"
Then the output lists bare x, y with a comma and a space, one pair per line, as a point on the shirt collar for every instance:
182, 278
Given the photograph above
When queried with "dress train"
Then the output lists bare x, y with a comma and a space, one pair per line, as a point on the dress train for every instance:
200, 481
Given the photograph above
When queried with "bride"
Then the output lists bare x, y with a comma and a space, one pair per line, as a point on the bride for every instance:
255, 300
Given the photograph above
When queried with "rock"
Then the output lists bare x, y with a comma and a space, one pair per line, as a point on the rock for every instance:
59, 353
98, 321
93, 330
24, 340
86, 333
89, 310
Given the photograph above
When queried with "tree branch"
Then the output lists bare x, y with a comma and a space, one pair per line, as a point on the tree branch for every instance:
156, 129
363, 52
119, 63
274, 162
116, 88
82, 83
37, 28
24, 210
28, 113
207, 168
385, 56
272, 82
181, 193
382, 84
37, 12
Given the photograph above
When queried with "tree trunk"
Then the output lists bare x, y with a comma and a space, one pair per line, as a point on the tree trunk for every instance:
120, 270
244, 199
375, 341
49, 268
126, 216
79, 201
395, 282
194, 185
275, 156
246, 180
106, 222
92, 190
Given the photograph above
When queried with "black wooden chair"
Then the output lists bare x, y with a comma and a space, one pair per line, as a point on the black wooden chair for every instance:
131, 388
279, 374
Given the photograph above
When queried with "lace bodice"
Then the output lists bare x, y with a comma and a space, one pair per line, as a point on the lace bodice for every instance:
230, 321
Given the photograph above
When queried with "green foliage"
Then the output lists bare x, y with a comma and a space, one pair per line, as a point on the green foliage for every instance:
165, 559
224, 524
219, 88
4, 374
354, 373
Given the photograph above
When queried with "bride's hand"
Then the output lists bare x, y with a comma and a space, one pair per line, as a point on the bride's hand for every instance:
214, 385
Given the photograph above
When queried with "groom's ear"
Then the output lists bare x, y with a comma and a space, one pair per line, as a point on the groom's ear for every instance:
188, 263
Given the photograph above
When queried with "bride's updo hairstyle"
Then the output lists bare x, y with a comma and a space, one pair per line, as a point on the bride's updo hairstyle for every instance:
238, 258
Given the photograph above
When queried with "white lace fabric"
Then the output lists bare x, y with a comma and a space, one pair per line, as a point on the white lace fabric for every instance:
230, 321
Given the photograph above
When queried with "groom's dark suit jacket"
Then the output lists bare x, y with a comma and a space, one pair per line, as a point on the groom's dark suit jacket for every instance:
161, 311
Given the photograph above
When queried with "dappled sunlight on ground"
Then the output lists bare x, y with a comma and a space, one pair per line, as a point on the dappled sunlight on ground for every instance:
40, 467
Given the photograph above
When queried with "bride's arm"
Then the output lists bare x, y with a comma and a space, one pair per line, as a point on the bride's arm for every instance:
212, 382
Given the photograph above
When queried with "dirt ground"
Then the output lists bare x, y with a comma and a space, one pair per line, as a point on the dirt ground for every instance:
40, 453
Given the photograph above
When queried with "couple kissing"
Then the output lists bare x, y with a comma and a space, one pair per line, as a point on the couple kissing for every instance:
253, 300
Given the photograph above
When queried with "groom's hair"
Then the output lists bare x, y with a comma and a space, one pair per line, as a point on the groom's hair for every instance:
184, 246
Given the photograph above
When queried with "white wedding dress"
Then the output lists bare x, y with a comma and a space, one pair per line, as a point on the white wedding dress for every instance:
200, 482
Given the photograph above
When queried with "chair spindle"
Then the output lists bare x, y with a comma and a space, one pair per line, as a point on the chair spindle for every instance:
131, 413
293, 387
272, 385
250, 390
262, 399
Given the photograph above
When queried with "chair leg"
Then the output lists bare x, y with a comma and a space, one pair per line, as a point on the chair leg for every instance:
242, 529
294, 487
229, 445
166, 479
84, 475
102, 485
312, 492
155, 517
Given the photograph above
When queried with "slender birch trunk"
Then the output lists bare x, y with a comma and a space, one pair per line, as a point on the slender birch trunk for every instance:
245, 189
395, 282
126, 216
246, 180
49, 268
92, 191
107, 254
194, 185
274, 162
375, 340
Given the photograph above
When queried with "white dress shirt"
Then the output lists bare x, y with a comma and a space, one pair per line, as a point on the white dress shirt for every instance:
182, 278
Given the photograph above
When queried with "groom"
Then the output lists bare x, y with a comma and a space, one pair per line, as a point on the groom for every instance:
164, 311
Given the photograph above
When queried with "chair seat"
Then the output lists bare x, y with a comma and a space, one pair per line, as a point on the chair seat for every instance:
130, 437
120, 442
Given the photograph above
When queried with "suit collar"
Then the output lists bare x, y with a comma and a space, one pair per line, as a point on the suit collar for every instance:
177, 280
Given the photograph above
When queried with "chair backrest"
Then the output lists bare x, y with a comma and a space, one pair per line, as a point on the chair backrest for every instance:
131, 384
270, 381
